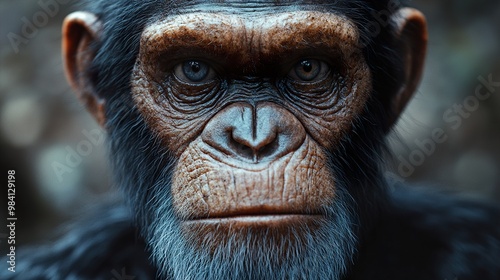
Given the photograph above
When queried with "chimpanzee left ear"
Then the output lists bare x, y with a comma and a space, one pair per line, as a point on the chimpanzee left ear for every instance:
80, 31
411, 32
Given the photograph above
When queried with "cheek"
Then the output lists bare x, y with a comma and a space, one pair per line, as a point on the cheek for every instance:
299, 182
330, 123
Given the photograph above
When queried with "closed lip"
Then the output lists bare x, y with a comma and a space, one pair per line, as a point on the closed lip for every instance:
255, 218
255, 215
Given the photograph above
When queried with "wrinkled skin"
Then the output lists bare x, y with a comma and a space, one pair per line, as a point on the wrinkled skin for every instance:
241, 139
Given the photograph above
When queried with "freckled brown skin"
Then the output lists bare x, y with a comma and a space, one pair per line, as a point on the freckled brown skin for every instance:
210, 184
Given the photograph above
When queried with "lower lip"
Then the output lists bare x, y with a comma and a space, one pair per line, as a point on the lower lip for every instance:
251, 231
262, 220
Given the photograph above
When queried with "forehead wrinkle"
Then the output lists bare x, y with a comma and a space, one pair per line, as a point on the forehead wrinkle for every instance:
249, 36
207, 31
303, 30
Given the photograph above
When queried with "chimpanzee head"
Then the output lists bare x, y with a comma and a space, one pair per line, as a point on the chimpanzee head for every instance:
247, 136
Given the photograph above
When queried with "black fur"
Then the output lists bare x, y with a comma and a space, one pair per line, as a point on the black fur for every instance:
426, 235
96, 247
378, 234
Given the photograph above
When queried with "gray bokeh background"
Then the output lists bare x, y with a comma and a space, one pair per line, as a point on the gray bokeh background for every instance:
41, 122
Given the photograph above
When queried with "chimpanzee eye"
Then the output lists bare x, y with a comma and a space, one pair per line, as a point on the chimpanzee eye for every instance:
308, 70
194, 71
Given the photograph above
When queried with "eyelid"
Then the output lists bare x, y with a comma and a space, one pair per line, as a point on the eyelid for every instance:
168, 61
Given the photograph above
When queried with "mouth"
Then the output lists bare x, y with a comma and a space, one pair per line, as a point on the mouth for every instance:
265, 220
253, 231
263, 216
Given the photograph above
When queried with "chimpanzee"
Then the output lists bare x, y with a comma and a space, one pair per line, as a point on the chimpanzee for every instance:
248, 138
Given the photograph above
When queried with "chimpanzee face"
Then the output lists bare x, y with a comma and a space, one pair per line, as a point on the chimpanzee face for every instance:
245, 99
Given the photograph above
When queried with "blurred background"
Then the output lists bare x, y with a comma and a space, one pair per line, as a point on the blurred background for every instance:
447, 136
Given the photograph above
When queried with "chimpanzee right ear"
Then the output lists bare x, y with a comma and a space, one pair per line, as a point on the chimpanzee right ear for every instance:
411, 32
80, 31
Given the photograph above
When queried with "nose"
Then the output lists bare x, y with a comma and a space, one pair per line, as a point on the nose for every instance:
254, 133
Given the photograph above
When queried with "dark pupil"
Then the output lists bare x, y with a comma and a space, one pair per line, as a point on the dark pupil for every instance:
195, 66
306, 66
307, 70
195, 71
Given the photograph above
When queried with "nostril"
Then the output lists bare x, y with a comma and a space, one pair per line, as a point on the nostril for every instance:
243, 150
268, 150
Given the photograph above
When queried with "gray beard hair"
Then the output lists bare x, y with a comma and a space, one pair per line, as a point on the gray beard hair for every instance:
325, 253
